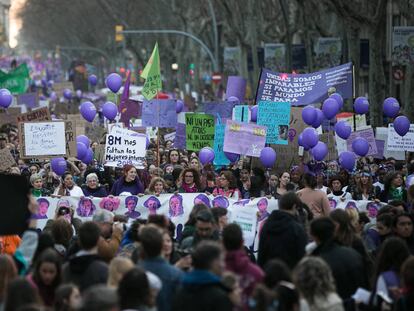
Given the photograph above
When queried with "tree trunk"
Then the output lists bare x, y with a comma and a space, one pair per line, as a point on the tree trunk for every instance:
354, 49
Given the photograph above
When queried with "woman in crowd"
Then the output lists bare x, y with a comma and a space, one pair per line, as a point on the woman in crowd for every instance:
406, 301
272, 184
157, 186
320, 182
93, 188
38, 190
46, 276
8, 272
335, 185
190, 181
228, 186
67, 298
363, 189
129, 183
403, 228
68, 187
314, 280
284, 180
118, 267
315, 199
21, 293
394, 188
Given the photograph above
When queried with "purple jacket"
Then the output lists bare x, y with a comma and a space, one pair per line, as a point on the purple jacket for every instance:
120, 186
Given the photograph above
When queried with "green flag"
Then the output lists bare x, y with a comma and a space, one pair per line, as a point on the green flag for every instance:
152, 75
16, 80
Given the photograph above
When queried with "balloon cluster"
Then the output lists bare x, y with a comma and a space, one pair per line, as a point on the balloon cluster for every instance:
85, 154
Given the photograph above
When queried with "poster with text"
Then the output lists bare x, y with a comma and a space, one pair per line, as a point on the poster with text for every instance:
276, 117
199, 131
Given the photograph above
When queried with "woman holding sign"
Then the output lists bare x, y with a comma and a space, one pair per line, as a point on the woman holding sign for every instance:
128, 183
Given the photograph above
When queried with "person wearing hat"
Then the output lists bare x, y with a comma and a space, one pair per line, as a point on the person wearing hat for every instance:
335, 184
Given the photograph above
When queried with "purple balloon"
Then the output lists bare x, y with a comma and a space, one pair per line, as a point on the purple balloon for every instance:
93, 80
347, 160
338, 99
309, 114
88, 157
234, 100
67, 94
53, 96
361, 105
58, 165
78, 93
253, 111
83, 139
113, 82
320, 151
233, 157
360, 146
88, 111
319, 118
179, 105
391, 107
50, 83
109, 110
268, 157
330, 108
343, 129
310, 137
6, 98
206, 155
401, 125
81, 150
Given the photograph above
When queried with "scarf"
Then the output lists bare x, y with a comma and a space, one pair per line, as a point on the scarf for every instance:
189, 189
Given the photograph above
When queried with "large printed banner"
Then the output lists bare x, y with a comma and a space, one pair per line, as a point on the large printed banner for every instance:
305, 89
175, 206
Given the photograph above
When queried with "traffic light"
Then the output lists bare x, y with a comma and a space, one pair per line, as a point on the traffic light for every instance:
119, 37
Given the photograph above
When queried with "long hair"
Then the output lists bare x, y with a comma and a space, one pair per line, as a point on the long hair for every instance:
62, 296
360, 186
151, 187
345, 233
50, 256
388, 181
313, 278
8, 271
196, 175
231, 178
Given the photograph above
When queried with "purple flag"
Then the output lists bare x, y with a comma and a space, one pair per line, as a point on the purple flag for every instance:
123, 105
180, 141
305, 89
245, 139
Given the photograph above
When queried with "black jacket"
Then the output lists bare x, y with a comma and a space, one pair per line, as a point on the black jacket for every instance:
202, 291
282, 237
85, 271
347, 267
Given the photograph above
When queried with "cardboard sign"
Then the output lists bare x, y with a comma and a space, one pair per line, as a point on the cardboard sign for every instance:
397, 143
276, 117
124, 147
244, 139
59, 87
70, 134
159, 113
368, 134
199, 131
241, 113
382, 134
41, 114
360, 120
44, 139
219, 156
6, 159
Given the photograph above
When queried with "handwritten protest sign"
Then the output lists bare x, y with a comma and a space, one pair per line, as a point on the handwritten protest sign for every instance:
219, 157
41, 114
305, 89
368, 134
70, 134
199, 130
124, 147
397, 143
276, 117
159, 113
244, 139
241, 113
44, 139
224, 109
382, 134
6, 159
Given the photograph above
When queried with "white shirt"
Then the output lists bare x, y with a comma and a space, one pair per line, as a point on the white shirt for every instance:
74, 192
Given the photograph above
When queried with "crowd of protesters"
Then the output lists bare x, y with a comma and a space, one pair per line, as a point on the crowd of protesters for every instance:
310, 256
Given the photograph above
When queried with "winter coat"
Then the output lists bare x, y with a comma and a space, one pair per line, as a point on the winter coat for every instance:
202, 291
347, 267
98, 192
282, 237
135, 187
85, 271
249, 273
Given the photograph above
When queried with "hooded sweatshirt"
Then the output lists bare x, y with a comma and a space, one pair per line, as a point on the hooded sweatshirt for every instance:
282, 237
85, 270
249, 273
